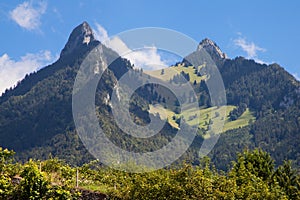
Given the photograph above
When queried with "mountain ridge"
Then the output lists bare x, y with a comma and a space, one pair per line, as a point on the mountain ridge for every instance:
36, 115
81, 35
212, 48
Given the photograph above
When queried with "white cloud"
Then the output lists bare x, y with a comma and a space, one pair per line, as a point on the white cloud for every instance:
27, 15
100, 33
147, 58
296, 75
12, 71
250, 48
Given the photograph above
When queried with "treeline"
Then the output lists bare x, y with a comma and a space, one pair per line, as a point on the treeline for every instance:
253, 176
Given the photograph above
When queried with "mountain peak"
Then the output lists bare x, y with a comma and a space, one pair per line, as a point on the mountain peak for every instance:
212, 48
81, 35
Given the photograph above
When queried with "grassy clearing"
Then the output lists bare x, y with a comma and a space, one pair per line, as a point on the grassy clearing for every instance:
170, 72
204, 117
242, 121
164, 114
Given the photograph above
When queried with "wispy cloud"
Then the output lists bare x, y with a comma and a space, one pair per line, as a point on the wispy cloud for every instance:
27, 15
101, 33
12, 71
250, 48
296, 75
147, 57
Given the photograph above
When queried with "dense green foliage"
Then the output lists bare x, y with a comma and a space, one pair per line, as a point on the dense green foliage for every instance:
28, 181
253, 176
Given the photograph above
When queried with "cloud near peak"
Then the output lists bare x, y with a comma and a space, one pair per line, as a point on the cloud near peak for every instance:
147, 58
250, 48
28, 15
296, 76
12, 71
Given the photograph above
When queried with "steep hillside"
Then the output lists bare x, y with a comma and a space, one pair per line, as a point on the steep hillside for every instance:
36, 117
263, 106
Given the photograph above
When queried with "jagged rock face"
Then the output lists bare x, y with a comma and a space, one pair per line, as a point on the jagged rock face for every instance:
212, 53
81, 35
212, 48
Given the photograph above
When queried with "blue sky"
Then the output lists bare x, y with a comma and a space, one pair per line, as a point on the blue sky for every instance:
34, 32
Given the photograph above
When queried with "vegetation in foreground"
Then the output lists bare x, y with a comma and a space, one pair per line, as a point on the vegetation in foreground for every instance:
252, 176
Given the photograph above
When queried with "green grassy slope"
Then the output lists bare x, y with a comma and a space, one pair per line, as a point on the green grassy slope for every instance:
194, 117
204, 116
170, 72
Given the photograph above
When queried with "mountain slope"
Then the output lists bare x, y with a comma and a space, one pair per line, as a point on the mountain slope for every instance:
273, 95
36, 116
268, 91
39, 109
